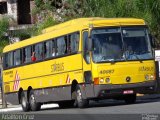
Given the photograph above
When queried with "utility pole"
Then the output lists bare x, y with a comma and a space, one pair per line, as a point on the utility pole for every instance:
4, 104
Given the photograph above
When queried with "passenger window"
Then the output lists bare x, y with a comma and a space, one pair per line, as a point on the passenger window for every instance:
17, 57
85, 47
6, 61
54, 48
27, 54
33, 54
38, 51
48, 49
6, 65
9, 60
61, 46
69, 45
74, 42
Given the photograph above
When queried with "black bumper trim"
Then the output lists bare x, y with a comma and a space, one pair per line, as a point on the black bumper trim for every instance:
112, 90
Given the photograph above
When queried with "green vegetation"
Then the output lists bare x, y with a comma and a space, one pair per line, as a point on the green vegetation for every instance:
37, 29
146, 9
3, 31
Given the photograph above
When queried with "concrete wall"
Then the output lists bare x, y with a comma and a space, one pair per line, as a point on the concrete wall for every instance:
3, 0
12, 11
33, 18
12, 6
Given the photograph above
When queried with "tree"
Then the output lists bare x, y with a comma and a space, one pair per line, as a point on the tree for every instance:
4, 23
61, 10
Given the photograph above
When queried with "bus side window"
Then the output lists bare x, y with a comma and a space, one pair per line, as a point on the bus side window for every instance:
23, 55
69, 45
85, 47
8, 60
48, 49
27, 54
17, 57
66, 44
61, 46
39, 51
74, 42
54, 52
5, 59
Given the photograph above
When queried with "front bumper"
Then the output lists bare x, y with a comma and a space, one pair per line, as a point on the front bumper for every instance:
111, 90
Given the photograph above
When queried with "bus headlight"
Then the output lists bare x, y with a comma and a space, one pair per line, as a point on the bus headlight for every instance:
146, 77
152, 77
149, 77
101, 80
108, 80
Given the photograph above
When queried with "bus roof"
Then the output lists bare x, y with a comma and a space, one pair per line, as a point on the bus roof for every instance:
73, 26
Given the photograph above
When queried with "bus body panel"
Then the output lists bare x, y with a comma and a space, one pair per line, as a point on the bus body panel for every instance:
51, 73
119, 90
119, 71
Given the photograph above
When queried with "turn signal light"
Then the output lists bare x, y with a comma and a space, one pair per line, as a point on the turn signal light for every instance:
96, 81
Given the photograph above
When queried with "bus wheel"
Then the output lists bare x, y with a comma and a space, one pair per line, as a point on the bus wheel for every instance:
79, 101
130, 99
24, 103
35, 106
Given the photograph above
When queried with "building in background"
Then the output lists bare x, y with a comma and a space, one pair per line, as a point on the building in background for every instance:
19, 14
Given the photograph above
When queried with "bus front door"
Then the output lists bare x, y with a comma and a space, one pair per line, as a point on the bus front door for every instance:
89, 86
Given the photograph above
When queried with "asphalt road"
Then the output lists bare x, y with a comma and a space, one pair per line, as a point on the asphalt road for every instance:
143, 109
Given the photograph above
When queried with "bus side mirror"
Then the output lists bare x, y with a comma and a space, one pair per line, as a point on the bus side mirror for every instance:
152, 41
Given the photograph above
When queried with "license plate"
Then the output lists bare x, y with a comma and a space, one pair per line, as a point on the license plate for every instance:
128, 92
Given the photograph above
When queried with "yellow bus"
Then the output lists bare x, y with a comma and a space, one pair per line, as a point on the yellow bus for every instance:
80, 60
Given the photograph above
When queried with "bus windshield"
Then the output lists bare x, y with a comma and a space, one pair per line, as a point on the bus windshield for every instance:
119, 44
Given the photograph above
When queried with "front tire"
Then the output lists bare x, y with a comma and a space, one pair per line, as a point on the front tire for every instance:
24, 103
80, 102
35, 106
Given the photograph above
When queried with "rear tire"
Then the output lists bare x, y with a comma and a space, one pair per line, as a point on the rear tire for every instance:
24, 103
79, 101
35, 106
130, 99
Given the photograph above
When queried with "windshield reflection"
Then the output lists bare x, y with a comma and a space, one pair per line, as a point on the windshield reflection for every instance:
136, 44
112, 44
